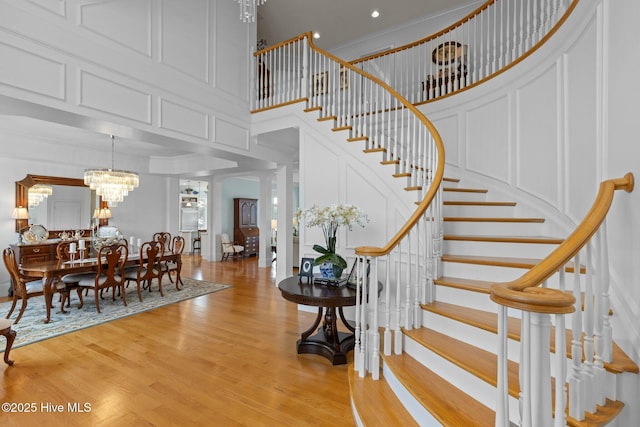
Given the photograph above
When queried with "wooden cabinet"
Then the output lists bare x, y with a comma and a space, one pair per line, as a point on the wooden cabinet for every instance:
245, 225
30, 253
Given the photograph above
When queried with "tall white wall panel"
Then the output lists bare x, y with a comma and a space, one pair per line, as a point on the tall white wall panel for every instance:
487, 145
126, 22
185, 37
583, 158
537, 137
448, 127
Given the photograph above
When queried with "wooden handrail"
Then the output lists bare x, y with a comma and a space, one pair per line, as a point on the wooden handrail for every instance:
524, 293
437, 177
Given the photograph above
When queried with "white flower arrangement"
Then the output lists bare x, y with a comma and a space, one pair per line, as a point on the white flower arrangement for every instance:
330, 219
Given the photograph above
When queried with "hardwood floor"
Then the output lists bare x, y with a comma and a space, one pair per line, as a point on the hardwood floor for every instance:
222, 359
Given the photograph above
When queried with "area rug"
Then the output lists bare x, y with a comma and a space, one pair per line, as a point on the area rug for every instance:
32, 328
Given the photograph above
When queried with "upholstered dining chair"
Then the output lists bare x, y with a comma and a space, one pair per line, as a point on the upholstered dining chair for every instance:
165, 238
177, 246
230, 248
112, 260
70, 280
149, 268
23, 287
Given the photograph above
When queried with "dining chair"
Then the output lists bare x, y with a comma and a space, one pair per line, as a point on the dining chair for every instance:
112, 260
70, 281
196, 245
165, 238
10, 335
177, 246
23, 287
149, 268
229, 248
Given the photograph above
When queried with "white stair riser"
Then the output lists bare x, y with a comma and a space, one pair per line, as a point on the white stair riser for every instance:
520, 250
476, 228
465, 298
463, 196
481, 272
478, 210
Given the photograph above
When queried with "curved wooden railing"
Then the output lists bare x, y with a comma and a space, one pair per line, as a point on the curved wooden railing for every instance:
590, 326
488, 41
519, 293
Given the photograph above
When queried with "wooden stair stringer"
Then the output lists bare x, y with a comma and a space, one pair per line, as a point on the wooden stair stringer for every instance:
457, 409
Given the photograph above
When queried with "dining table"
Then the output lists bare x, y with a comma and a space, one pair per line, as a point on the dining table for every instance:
51, 273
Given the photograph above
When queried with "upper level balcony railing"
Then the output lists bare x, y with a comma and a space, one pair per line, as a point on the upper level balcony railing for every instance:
491, 39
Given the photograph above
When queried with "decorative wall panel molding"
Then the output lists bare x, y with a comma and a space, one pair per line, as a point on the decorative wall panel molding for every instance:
535, 144
184, 37
230, 134
114, 98
56, 6
125, 22
487, 144
29, 71
182, 119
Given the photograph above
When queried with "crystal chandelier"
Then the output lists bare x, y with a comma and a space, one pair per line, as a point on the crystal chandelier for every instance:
111, 184
38, 193
248, 10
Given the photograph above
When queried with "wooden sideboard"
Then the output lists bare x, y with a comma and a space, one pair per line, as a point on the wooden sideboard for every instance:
245, 225
35, 252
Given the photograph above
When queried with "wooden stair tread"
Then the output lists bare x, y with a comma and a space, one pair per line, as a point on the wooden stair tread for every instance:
316, 108
370, 396
603, 416
479, 203
479, 362
457, 409
327, 118
620, 361
451, 179
465, 190
490, 219
506, 239
358, 138
473, 285
503, 261
474, 360
340, 128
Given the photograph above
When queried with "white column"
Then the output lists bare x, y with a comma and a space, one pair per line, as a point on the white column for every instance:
284, 249
211, 249
265, 207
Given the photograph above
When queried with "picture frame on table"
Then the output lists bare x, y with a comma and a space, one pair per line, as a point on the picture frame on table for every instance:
306, 268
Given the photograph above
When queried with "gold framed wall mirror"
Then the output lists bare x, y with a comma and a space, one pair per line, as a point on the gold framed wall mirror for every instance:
80, 202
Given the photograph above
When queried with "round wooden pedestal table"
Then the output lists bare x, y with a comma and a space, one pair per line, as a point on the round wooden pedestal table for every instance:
328, 341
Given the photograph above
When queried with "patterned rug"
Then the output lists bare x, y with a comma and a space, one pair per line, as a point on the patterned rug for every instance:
32, 328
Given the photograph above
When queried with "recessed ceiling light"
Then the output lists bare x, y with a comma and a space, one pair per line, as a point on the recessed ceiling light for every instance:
375, 14
316, 35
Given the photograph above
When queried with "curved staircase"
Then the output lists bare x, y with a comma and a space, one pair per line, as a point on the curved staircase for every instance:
447, 374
